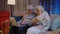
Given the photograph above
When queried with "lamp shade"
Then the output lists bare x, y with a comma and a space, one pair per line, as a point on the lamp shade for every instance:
11, 2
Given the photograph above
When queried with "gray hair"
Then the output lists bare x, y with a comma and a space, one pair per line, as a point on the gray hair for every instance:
30, 7
39, 7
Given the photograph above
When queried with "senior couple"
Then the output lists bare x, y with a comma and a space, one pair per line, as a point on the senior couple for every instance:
34, 22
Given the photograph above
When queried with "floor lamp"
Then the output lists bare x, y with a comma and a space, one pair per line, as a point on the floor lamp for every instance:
11, 3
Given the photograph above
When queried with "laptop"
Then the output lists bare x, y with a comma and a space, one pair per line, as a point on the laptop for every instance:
13, 21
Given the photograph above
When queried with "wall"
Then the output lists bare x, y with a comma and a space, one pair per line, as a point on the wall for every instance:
1, 5
4, 6
18, 8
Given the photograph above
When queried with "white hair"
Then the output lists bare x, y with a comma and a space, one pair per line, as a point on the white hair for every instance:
30, 7
39, 7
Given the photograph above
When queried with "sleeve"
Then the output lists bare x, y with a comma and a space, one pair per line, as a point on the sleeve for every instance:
45, 20
20, 21
35, 20
26, 22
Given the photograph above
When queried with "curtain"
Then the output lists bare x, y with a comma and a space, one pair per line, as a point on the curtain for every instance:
51, 6
20, 6
57, 7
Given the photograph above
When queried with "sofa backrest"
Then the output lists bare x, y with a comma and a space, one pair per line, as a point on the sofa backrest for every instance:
53, 17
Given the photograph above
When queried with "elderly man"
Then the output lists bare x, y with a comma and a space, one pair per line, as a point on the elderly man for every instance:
25, 22
40, 23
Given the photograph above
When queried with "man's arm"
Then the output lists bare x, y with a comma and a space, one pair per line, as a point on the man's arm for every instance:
20, 21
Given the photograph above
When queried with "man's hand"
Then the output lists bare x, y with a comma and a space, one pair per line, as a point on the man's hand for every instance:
25, 22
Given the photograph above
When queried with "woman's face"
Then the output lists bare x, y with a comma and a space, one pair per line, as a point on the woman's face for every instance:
37, 11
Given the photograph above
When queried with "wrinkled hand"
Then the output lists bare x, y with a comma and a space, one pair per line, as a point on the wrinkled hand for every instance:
26, 21
35, 20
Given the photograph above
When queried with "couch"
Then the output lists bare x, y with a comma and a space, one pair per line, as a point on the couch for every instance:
52, 16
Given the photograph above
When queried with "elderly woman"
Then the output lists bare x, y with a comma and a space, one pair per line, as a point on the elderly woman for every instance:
25, 22
41, 22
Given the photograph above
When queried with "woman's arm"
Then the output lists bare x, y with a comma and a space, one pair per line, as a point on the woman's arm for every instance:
46, 21
34, 21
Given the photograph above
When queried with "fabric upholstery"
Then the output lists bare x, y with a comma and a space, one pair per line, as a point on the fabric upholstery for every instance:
3, 17
53, 17
4, 21
56, 24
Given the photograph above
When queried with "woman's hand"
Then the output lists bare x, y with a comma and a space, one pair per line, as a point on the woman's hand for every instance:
35, 20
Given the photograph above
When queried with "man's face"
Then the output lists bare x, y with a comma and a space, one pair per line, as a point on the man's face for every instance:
29, 11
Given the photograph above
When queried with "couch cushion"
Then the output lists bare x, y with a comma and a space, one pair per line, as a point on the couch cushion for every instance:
53, 17
56, 24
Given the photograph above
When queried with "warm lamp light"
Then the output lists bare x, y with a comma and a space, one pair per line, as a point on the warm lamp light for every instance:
11, 2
